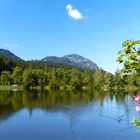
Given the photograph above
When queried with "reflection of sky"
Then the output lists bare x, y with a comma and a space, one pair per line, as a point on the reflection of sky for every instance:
73, 122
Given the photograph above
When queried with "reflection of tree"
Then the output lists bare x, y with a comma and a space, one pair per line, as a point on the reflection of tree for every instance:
118, 119
52, 101
119, 100
30, 112
72, 128
70, 112
126, 107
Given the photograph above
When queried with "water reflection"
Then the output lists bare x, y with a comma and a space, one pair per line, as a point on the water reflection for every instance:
11, 102
84, 115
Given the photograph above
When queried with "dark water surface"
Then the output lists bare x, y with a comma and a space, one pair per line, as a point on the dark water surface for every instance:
67, 116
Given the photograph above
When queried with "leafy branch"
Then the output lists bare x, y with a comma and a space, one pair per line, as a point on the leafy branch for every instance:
130, 57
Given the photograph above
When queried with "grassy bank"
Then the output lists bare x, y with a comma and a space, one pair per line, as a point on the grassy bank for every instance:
5, 87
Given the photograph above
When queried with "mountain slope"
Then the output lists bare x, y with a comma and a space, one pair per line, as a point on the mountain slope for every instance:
74, 60
10, 55
8, 60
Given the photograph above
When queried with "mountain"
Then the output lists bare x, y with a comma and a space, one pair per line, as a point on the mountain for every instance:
8, 60
9, 55
74, 60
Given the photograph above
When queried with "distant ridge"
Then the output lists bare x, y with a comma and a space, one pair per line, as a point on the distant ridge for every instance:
71, 59
74, 60
9, 55
8, 60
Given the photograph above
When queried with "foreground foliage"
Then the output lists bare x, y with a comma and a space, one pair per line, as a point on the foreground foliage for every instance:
130, 58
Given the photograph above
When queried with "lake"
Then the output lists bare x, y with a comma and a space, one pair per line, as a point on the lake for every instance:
67, 116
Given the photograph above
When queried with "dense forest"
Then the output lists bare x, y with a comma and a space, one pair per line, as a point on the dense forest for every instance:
48, 75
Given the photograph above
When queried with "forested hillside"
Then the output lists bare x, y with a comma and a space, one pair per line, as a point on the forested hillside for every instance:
37, 74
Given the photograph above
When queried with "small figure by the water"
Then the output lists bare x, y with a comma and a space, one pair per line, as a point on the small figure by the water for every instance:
14, 87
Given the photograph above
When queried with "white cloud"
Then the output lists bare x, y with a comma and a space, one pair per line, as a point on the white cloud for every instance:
74, 13
10, 45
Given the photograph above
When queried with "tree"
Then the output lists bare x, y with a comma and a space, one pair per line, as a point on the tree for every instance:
5, 78
75, 78
130, 57
41, 77
119, 81
53, 79
17, 75
87, 78
109, 80
29, 78
99, 78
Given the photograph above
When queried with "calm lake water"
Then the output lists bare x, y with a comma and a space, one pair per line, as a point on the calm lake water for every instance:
67, 116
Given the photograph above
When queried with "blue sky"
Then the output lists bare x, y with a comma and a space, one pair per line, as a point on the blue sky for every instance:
95, 29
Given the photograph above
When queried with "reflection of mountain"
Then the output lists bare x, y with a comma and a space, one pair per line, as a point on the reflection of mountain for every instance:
69, 104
